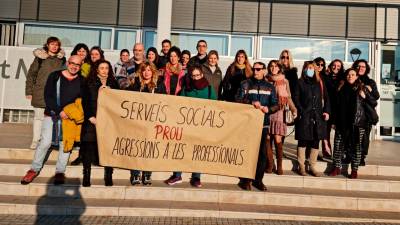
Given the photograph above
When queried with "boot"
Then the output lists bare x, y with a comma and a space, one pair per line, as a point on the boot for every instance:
301, 158
270, 158
108, 171
77, 161
353, 174
336, 171
313, 162
279, 155
86, 177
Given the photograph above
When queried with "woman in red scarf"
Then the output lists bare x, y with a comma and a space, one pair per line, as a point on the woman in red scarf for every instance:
173, 72
278, 126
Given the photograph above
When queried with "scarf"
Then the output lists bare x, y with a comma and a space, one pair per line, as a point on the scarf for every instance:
175, 70
200, 84
243, 66
279, 82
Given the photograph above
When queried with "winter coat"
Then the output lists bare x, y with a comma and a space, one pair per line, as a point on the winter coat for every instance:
291, 76
117, 67
85, 69
214, 79
205, 93
128, 71
71, 127
258, 90
231, 83
196, 61
332, 84
311, 104
39, 71
90, 91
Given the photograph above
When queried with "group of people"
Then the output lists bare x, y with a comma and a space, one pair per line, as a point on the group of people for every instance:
64, 96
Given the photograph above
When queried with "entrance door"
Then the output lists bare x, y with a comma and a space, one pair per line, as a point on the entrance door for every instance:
390, 91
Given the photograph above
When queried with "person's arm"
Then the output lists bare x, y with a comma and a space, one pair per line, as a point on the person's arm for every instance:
274, 105
292, 107
50, 94
31, 77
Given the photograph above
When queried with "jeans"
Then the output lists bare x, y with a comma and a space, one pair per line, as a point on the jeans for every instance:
194, 175
43, 148
37, 123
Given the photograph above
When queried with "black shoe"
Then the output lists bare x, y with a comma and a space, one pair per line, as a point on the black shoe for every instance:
86, 177
244, 185
259, 185
108, 171
362, 162
77, 161
59, 178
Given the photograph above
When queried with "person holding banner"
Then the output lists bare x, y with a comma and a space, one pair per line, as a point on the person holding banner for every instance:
101, 76
147, 80
196, 86
262, 95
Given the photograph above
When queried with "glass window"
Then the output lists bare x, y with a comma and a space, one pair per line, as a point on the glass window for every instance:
189, 42
69, 36
304, 49
124, 39
150, 39
362, 46
240, 42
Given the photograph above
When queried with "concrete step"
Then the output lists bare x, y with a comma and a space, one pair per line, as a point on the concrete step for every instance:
288, 164
210, 192
290, 179
66, 205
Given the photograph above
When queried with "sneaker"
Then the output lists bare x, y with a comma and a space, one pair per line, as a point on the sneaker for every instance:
353, 174
135, 180
29, 177
59, 178
195, 182
335, 171
173, 180
146, 179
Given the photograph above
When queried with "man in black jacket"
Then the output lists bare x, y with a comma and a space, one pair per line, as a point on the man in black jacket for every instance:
62, 88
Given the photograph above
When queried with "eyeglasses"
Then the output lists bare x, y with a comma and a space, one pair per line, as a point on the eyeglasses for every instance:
257, 69
201, 46
284, 57
74, 64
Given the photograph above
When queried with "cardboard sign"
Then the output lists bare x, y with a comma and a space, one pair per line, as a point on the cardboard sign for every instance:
155, 132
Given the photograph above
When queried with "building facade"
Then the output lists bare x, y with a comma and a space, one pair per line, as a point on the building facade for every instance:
330, 29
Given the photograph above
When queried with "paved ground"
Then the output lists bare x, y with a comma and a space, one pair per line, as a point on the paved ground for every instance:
98, 220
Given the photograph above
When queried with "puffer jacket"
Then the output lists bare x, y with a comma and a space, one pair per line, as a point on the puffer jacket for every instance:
252, 90
38, 72
214, 79
71, 127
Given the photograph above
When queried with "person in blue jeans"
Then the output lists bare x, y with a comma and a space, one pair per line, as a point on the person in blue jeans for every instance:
62, 88
196, 86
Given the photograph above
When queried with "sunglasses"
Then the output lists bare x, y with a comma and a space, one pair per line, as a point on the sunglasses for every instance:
284, 57
320, 64
257, 69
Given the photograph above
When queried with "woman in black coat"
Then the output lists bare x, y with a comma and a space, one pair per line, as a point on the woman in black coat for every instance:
363, 70
313, 106
351, 120
101, 76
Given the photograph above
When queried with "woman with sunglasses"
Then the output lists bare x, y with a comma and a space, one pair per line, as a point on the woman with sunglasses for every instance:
237, 72
313, 106
363, 70
288, 68
278, 127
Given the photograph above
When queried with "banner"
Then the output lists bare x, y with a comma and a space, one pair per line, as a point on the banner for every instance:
155, 132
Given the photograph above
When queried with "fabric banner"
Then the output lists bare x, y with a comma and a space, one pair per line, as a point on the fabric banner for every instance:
155, 132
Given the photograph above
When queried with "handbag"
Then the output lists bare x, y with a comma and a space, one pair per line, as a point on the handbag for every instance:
288, 116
